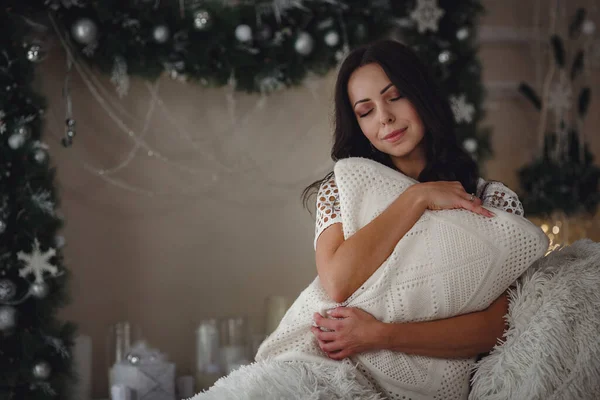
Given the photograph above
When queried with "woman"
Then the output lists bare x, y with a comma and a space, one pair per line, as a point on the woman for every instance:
381, 90
400, 268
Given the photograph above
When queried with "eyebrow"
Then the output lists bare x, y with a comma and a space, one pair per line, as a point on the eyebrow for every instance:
381, 92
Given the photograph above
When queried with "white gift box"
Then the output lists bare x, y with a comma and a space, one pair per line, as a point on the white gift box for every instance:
151, 377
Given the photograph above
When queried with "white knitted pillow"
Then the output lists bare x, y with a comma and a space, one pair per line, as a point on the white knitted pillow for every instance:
451, 262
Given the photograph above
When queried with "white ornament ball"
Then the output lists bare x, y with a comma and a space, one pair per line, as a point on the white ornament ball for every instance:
304, 44
243, 33
42, 370
15, 141
332, 38
39, 290
8, 316
589, 27
444, 56
8, 289
470, 145
84, 31
462, 33
40, 156
161, 33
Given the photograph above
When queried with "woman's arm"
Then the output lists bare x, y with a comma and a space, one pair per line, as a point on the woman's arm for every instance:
355, 331
344, 265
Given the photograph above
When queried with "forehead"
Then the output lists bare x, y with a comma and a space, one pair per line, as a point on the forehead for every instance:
366, 82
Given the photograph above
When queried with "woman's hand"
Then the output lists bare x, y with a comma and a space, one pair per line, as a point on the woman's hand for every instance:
442, 195
351, 331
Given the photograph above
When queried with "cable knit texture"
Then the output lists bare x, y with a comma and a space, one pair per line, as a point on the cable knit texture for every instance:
451, 262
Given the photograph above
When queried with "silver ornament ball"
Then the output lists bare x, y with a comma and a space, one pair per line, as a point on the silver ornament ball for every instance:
332, 38
15, 141
444, 57
8, 289
304, 44
39, 290
470, 145
462, 33
8, 317
84, 31
202, 20
161, 33
42, 370
70, 122
243, 33
40, 156
71, 133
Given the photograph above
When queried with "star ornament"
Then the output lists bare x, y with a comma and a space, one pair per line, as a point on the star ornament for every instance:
427, 15
37, 263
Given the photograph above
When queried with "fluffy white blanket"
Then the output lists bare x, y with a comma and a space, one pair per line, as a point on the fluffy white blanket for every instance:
552, 347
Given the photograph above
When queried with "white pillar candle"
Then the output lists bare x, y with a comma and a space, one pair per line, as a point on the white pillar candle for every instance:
82, 363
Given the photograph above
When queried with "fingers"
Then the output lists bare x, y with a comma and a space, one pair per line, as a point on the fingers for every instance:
339, 355
339, 312
329, 324
477, 209
323, 335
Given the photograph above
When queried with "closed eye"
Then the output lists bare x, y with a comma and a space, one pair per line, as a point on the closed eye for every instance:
369, 112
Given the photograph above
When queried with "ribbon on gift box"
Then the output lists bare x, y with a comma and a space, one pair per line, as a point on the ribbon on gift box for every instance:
146, 371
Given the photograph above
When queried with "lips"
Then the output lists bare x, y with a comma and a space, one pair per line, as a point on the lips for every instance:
396, 135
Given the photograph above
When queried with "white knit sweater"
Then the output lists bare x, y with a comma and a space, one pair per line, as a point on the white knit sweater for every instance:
451, 262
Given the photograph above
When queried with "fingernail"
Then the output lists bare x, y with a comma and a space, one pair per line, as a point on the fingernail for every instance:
329, 311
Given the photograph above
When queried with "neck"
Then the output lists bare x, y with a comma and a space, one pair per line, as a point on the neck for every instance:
412, 164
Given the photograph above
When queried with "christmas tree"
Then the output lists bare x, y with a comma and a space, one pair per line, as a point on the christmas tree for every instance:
35, 346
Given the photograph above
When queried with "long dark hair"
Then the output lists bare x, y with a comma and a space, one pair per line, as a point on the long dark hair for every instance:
446, 160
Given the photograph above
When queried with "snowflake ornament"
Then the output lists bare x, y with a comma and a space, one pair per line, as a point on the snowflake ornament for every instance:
37, 263
559, 99
427, 15
463, 111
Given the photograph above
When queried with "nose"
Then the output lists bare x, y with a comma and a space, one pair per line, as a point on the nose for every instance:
386, 117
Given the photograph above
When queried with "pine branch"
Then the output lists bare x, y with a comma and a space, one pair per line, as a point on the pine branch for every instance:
527, 91
558, 50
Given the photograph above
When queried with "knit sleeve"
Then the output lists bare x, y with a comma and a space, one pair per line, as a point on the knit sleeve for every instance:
328, 207
497, 195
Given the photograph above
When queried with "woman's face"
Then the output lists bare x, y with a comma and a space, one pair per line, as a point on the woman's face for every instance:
385, 116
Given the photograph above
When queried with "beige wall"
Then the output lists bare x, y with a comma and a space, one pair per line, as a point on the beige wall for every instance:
167, 261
